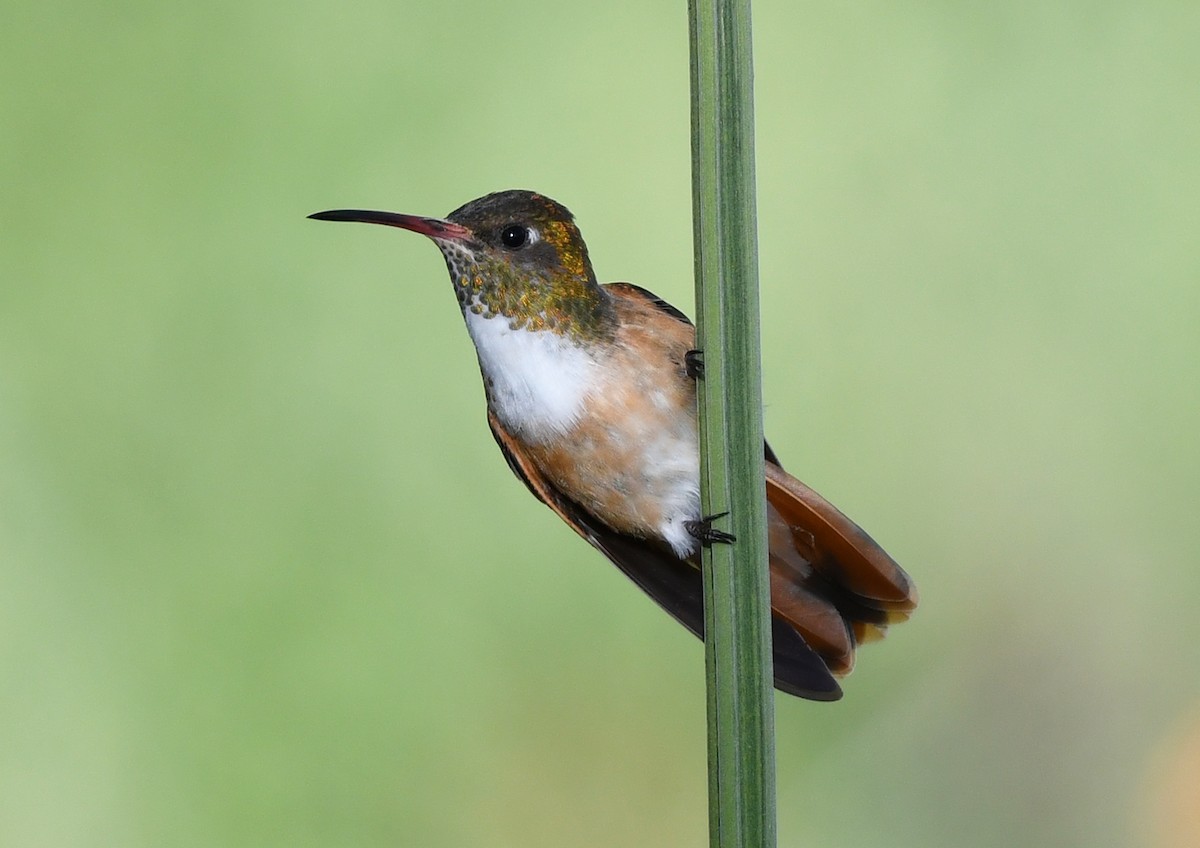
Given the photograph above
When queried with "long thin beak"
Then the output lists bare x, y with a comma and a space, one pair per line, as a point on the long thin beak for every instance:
435, 228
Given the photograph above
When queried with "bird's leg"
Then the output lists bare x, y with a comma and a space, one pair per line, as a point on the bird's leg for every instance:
703, 531
707, 535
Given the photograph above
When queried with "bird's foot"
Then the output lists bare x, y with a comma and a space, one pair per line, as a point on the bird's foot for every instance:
693, 364
707, 535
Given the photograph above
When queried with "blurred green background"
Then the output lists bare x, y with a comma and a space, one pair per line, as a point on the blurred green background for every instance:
266, 581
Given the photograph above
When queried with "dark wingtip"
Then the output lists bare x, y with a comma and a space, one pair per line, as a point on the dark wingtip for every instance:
799, 670
823, 695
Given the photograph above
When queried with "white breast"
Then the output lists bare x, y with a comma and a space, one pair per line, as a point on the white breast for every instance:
537, 380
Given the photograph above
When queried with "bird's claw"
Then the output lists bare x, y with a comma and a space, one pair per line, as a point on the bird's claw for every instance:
707, 535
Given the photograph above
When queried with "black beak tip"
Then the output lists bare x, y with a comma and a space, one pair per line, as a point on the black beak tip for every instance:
328, 215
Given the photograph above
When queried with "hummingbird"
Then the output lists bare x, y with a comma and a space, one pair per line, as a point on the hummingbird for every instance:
591, 397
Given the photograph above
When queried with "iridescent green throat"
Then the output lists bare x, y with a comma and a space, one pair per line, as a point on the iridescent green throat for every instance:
565, 303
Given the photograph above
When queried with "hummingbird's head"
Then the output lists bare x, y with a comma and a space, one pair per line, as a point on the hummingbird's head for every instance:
514, 254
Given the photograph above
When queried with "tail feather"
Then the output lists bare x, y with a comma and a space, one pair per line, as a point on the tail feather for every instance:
830, 581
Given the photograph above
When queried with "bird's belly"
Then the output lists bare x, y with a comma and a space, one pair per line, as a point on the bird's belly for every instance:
610, 422
632, 459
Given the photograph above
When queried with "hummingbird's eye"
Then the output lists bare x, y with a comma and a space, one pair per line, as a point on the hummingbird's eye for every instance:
515, 236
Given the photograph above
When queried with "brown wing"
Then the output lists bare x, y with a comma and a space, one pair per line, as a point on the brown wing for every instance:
632, 291
829, 579
674, 584
629, 290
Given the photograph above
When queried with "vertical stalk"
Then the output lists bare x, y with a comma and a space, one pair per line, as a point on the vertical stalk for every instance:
736, 590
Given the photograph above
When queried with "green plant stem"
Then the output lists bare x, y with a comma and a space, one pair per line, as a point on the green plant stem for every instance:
736, 588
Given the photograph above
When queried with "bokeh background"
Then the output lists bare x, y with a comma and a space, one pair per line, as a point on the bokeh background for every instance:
266, 581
